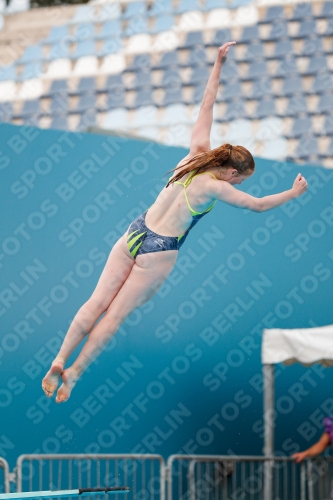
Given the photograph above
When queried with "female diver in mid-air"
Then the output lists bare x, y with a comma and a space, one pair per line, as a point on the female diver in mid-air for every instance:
144, 256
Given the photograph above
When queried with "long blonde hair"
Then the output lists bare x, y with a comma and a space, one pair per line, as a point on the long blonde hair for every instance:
225, 156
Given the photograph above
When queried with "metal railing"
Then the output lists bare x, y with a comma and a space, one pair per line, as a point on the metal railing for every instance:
5, 470
320, 478
208, 477
145, 474
186, 477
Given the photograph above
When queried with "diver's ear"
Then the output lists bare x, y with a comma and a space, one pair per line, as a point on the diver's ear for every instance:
230, 174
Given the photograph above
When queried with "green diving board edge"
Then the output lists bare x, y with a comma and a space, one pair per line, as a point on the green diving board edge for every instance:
64, 493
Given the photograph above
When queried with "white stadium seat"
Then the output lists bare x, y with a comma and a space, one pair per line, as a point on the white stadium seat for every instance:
86, 66
275, 149
59, 68
245, 16
17, 6
31, 89
113, 64
117, 118
7, 91
139, 44
166, 41
177, 113
191, 21
145, 116
218, 18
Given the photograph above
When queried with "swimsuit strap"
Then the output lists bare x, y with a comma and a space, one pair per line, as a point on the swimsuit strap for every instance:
186, 183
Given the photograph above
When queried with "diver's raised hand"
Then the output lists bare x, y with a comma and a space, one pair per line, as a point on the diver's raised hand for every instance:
300, 185
224, 49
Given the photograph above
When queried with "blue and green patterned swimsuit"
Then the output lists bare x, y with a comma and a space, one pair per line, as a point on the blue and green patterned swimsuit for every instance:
141, 240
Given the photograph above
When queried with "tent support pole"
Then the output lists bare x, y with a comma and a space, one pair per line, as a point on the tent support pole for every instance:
268, 376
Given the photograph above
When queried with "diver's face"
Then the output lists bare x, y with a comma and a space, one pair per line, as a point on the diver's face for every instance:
236, 178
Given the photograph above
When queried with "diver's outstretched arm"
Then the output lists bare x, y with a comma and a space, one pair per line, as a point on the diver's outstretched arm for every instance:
200, 139
223, 191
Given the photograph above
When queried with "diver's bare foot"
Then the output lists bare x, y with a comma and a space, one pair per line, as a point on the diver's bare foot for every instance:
69, 379
51, 379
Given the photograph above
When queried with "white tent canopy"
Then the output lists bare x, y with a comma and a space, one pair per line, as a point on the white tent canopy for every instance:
304, 345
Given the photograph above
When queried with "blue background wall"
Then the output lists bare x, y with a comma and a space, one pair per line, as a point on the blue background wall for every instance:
184, 372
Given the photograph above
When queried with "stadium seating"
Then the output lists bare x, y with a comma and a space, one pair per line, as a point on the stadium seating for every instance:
116, 119
253, 53
198, 75
230, 72
302, 11
59, 122
115, 98
56, 34
168, 59
8, 72
59, 105
328, 126
325, 104
196, 57
134, 9
109, 11
149, 62
160, 7
176, 113
277, 31
172, 96
329, 151
136, 25
6, 111
32, 53
292, 86
249, 34
193, 39
84, 13
30, 108
162, 23
327, 10
58, 87
300, 127
220, 37
230, 92
257, 70
283, 49
234, 111
273, 15
306, 29
110, 29
87, 119
187, 6
86, 101
146, 116
260, 89
295, 106
307, 147
197, 93
265, 108
86, 48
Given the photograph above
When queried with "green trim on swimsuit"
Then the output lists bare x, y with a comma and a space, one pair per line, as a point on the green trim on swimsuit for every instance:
134, 251
131, 242
129, 235
186, 183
